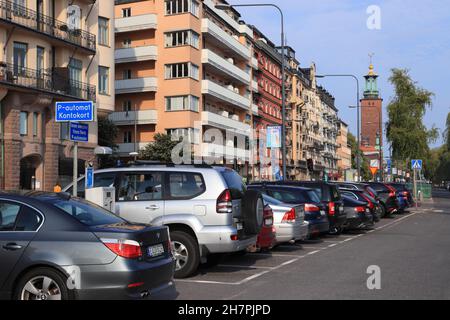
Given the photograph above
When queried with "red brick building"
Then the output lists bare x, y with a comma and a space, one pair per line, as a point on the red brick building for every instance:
268, 98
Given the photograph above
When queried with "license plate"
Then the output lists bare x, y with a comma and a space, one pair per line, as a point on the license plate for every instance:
322, 213
239, 226
155, 251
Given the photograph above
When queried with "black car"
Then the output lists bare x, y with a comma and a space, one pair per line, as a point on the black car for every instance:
315, 211
358, 214
387, 195
403, 191
55, 247
330, 197
374, 206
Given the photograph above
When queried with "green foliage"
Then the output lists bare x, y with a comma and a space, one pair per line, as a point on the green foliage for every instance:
159, 150
440, 158
107, 133
365, 165
405, 129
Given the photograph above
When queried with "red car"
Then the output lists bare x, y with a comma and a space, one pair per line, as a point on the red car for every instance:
267, 237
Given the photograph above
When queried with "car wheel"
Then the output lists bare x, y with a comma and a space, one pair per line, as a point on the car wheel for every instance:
42, 284
253, 212
186, 254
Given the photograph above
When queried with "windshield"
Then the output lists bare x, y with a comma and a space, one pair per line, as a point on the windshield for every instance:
235, 184
313, 196
86, 212
271, 201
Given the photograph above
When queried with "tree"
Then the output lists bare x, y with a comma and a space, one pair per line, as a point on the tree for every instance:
160, 149
365, 166
107, 133
447, 133
406, 132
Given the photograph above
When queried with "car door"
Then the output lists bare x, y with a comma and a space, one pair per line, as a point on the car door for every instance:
18, 225
140, 197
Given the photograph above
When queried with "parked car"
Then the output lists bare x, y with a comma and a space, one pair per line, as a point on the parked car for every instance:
329, 195
267, 236
289, 220
387, 195
289, 197
49, 241
358, 214
404, 195
360, 195
208, 209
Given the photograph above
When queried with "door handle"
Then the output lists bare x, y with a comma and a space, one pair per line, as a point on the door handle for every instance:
12, 247
154, 207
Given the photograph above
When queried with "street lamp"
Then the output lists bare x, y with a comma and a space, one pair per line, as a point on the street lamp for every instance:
283, 86
358, 107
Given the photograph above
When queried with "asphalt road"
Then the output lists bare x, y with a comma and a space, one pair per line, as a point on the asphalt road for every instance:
411, 250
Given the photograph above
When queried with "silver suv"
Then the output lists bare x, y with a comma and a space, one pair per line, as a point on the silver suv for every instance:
208, 209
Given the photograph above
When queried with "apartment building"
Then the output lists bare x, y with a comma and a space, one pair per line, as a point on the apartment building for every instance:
182, 68
53, 50
344, 152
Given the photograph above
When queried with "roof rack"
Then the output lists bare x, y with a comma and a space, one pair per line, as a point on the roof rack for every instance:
139, 163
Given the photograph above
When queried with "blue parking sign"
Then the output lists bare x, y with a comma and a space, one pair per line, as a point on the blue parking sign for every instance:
82, 111
79, 132
89, 178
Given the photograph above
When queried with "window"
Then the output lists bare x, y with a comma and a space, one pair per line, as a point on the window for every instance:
64, 131
40, 61
23, 123
185, 185
141, 186
126, 12
103, 31
35, 124
8, 215
182, 70
127, 137
126, 106
86, 212
190, 135
126, 74
20, 58
103, 80
75, 69
182, 38
182, 6
100, 180
181, 103
28, 220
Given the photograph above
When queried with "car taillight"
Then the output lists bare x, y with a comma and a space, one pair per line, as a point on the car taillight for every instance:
405, 193
371, 194
289, 216
370, 203
225, 203
332, 208
128, 249
311, 208
360, 209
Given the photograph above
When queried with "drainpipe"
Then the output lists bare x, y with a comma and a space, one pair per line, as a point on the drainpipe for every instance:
2, 148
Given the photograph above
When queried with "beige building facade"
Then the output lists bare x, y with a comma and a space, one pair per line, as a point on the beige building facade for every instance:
53, 51
344, 151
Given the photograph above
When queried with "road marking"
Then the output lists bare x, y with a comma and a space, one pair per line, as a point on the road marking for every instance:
236, 266
267, 270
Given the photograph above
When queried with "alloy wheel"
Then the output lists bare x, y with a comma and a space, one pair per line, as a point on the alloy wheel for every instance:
41, 288
180, 254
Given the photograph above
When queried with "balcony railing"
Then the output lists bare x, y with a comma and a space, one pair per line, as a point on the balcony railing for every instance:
225, 95
139, 117
29, 19
45, 80
225, 66
126, 55
148, 84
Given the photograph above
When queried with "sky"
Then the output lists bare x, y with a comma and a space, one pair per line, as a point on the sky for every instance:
413, 34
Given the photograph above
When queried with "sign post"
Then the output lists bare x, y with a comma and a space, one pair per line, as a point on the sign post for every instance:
416, 165
74, 112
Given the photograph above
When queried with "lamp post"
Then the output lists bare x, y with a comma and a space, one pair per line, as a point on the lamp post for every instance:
358, 104
283, 85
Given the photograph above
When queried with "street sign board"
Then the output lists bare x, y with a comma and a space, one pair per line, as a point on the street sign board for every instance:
79, 132
416, 164
89, 177
375, 164
374, 171
274, 137
75, 111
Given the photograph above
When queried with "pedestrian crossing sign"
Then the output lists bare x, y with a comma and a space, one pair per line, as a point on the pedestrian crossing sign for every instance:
416, 164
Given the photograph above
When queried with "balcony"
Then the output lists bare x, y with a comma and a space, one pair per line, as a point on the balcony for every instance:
226, 123
136, 85
254, 63
127, 55
225, 95
224, 40
132, 117
24, 18
136, 23
126, 148
224, 67
255, 86
48, 81
228, 152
